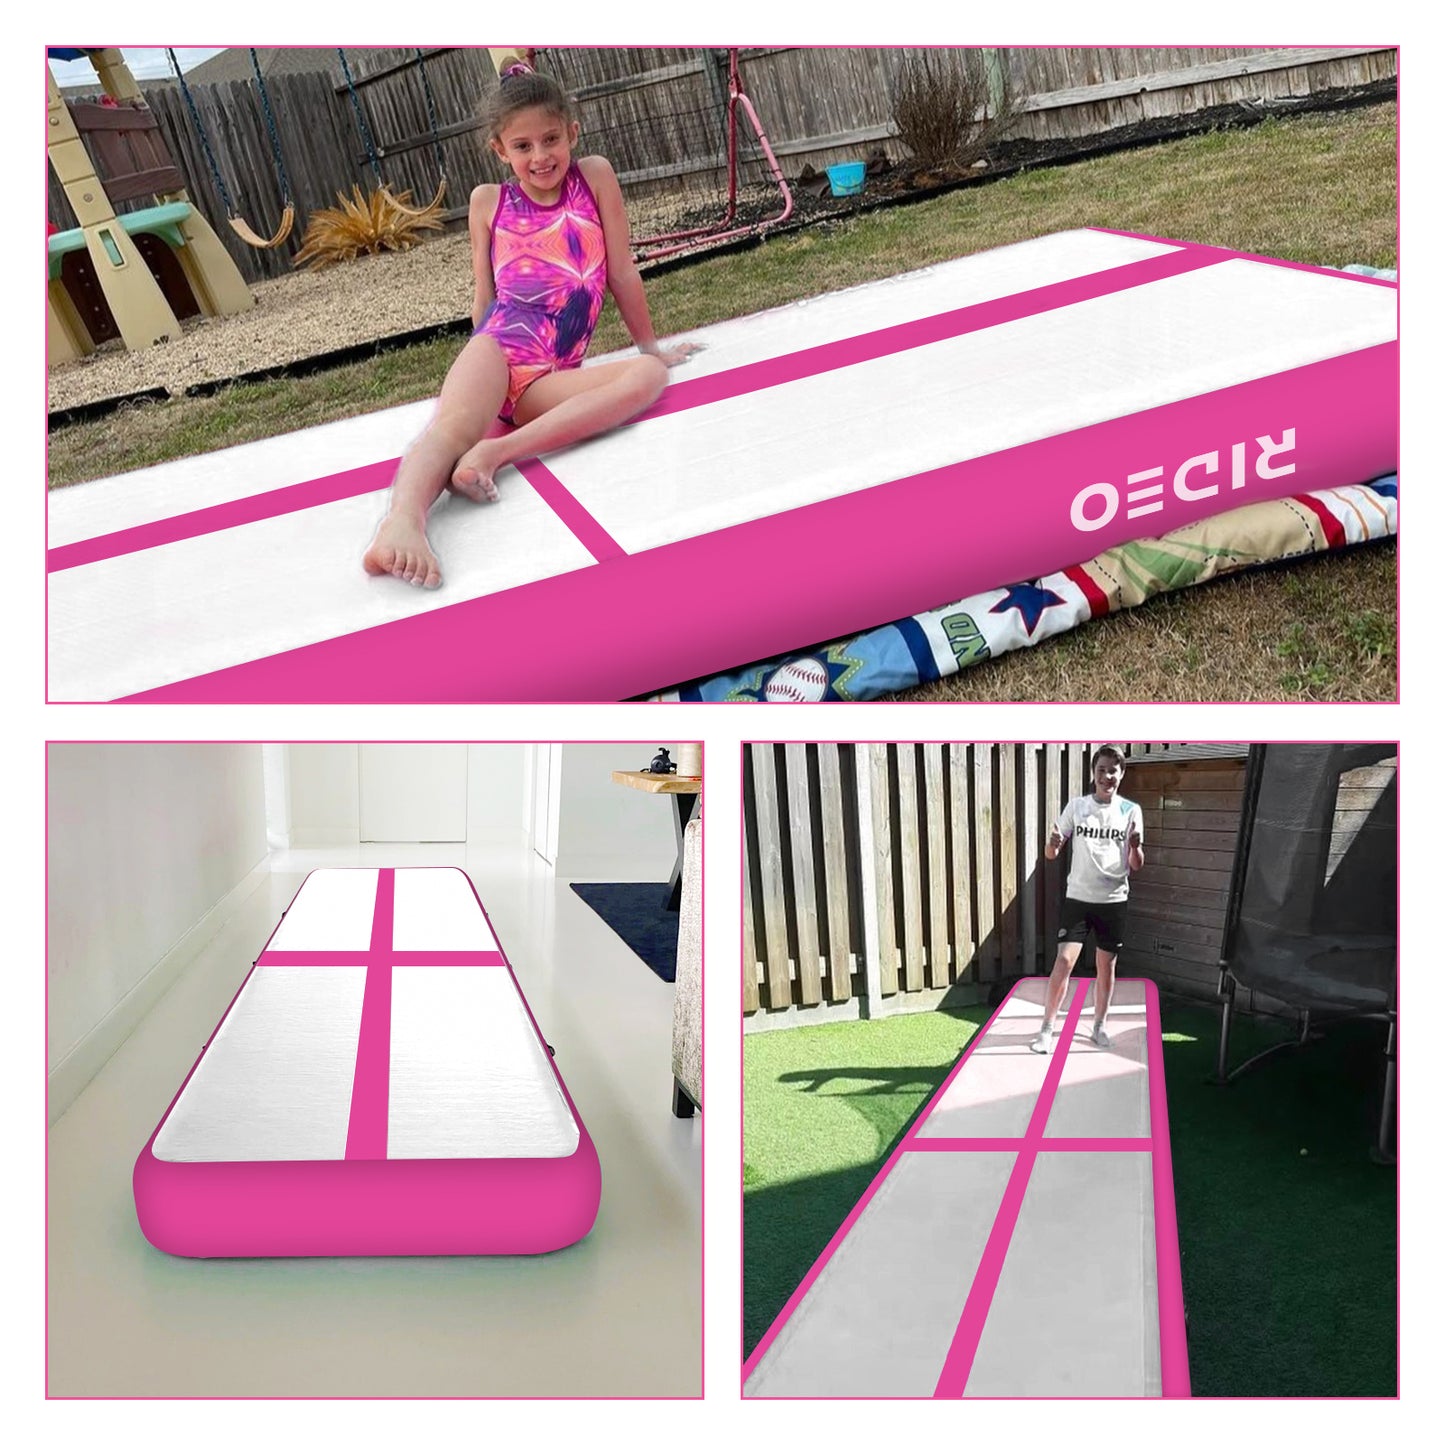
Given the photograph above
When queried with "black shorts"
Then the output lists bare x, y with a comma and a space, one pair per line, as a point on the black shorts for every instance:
1106, 920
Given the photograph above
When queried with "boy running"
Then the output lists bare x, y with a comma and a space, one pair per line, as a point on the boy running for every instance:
1108, 834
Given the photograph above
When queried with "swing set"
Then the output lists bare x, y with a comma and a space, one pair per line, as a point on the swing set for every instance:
136, 275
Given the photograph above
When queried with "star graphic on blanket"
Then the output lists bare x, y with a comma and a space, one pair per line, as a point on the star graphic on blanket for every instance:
1032, 602
833, 660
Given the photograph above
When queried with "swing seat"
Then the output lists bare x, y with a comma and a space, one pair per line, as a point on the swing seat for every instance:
430, 209
163, 221
252, 238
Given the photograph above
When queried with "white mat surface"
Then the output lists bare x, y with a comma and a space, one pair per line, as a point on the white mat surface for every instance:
1075, 1310
469, 1077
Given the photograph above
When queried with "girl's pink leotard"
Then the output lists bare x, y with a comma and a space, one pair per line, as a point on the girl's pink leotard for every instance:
549, 265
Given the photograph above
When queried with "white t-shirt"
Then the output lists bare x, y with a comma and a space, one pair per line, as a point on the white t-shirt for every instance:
1099, 864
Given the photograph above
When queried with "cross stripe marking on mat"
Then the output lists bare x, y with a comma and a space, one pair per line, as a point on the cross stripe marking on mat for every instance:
371, 1084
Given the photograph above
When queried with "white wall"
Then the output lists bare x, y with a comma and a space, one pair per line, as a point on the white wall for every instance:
610, 832
143, 841
607, 831
496, 782
323, 797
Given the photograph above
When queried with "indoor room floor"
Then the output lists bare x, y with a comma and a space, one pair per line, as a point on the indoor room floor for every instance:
618, 1314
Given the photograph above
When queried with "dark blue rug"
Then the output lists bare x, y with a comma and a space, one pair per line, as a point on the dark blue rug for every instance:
637, 914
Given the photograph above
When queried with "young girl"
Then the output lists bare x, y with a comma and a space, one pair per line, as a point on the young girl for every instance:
547, 244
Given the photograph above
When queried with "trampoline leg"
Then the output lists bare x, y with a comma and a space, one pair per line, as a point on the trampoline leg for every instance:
1382, 1153
1226, 987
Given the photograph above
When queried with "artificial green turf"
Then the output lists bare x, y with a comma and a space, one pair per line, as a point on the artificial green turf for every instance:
1288, 1258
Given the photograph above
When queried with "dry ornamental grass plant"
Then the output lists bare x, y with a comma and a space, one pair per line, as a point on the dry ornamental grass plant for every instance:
949, 108
375, 223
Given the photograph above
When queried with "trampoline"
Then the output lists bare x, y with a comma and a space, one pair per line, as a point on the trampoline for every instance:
1313, 904
853, 459
1019, 1241
378, 1086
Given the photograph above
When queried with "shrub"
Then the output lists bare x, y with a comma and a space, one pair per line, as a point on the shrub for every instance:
943, 110
371, 224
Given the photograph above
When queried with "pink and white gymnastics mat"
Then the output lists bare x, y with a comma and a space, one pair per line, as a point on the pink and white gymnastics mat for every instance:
1019, 1241
820, 469
378, 1086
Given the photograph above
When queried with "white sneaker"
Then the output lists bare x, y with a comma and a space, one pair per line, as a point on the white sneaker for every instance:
1101, 1039
1043, 1042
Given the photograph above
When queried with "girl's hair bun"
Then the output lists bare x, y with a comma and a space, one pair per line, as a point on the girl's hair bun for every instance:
517, 67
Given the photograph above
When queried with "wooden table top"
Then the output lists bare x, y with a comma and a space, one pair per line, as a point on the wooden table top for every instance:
658, 782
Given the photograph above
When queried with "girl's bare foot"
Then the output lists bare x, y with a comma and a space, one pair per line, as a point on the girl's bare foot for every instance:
400, 550
473, 474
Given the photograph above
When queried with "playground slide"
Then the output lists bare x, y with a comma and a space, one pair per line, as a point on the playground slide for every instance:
378, 1086
1019, 1241
857, 458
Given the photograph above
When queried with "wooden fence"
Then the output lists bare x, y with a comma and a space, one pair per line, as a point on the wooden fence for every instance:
882, 877
820, 105
929, 855
657, 114
322, 147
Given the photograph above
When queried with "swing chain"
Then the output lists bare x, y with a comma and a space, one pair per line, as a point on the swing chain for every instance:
200, 130
431, 115
271, 130
361, 120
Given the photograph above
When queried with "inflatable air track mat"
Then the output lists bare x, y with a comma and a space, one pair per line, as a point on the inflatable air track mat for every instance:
1021, 1239
818, 470
378, 1086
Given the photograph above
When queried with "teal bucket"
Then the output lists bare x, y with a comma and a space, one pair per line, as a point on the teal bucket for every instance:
847, 179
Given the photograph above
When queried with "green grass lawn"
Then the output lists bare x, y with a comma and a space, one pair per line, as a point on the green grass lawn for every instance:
1288, 1257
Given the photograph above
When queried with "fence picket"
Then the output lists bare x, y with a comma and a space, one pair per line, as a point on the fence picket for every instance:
770, 869
938, 960
882, 865
983, 869
835, 869
962, 859
908, 844
805, 881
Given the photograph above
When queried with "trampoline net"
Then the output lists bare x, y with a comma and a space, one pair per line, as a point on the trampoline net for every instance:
1317, 913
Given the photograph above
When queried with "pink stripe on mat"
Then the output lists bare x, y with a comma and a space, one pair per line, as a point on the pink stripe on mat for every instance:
1223, 253
371, 1087
806, 1283
679, 396
578, 520
956, 1366
889, 340
224, 515
412, 958
1173, 1341
1046, 1146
